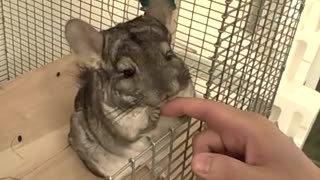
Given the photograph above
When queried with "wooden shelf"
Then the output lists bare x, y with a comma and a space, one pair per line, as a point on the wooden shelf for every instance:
37, 106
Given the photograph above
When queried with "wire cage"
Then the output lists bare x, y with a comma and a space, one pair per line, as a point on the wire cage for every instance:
236, 49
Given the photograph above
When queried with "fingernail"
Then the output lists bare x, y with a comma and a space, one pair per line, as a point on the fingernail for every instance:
202, 163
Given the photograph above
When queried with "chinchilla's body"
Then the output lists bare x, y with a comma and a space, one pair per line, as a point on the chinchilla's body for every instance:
127, 73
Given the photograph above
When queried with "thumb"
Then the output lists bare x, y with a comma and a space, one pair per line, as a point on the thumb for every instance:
210, 166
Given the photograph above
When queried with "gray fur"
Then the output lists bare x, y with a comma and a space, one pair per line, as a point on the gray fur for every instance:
127, 72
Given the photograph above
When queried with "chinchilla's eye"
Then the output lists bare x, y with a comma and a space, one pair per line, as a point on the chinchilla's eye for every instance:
127, 73
170, 55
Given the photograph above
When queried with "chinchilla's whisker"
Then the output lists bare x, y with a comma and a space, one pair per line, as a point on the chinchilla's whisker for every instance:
122, 113
133, 104
127, 111
117, 111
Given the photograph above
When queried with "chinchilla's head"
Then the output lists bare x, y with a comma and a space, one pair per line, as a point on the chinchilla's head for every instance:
133, 61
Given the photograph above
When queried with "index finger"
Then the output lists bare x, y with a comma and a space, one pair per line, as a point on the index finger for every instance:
216, 115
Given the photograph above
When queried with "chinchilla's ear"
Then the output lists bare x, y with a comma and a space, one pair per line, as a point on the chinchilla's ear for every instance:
161, 10
85, 41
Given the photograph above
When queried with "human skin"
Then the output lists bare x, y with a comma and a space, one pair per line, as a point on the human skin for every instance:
240, 145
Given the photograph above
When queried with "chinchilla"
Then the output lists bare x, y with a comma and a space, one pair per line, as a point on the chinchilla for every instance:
126, 73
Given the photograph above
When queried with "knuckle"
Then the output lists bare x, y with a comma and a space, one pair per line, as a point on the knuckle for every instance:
199, 141
196, 138
257, 119
195, 141
254, 115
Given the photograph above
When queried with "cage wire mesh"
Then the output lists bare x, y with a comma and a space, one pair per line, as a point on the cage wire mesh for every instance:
236, 50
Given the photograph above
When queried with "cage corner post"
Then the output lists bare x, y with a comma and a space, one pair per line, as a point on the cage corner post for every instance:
4, 67
174, 20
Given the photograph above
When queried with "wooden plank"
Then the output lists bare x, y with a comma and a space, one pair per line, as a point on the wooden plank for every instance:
37, 106
32, 156
38, 102
65, 166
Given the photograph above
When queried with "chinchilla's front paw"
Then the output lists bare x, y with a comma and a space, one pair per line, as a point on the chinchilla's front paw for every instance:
153, 119
158, 173
154, 116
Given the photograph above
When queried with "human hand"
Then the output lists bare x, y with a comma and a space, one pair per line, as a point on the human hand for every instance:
240, 145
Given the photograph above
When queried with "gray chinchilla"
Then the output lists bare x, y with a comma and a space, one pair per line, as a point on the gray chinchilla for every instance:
127, 73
